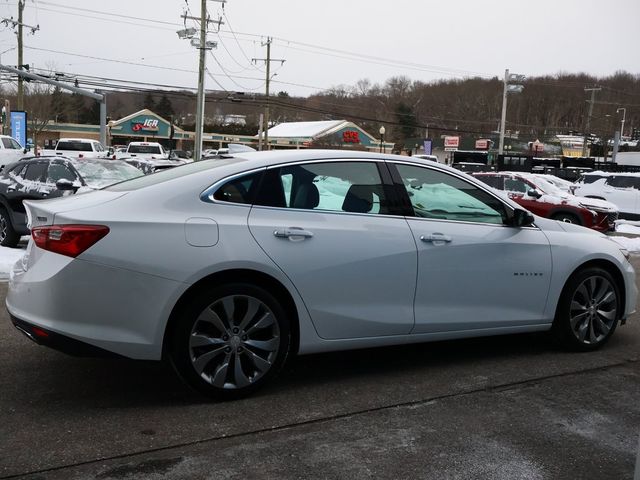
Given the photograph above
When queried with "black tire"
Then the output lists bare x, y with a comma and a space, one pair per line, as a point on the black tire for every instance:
230, 340
8, 235
588, 310
567, 217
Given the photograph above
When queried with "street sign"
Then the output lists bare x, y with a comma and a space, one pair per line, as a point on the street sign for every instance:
482, 144
450, 149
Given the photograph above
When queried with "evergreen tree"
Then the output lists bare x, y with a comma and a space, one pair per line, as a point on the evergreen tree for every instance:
76, 108
149, 102
59, 105
164, 108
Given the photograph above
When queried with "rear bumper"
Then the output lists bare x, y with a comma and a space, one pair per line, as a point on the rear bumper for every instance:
60, 342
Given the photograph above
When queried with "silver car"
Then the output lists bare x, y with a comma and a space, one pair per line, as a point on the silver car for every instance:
228, 267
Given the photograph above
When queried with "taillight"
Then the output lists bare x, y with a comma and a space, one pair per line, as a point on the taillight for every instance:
69, 240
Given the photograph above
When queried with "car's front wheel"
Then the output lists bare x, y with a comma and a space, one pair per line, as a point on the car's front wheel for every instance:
230, 340
588, 310
8, 236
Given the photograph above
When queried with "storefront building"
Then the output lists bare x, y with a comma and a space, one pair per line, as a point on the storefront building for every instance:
147, 126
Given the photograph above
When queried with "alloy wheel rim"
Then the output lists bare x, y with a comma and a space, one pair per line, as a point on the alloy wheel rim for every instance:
593, 310
234, 342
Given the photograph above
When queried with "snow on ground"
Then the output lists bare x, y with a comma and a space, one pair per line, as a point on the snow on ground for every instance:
9, 256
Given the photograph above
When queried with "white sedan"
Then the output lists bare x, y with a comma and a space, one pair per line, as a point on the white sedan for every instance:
227, 267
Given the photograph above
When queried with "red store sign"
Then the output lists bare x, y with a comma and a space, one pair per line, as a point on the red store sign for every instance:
351, 136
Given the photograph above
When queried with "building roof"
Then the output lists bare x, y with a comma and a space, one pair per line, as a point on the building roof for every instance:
303, 129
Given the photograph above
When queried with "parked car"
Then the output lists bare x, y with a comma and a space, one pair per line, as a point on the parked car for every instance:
535, 193
227, 267
38, 178
152, 165
622, 189
10, 150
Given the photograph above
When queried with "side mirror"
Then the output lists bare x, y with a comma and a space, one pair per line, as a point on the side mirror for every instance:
522, 218
534, 193
25, 150
111, 151
64, 184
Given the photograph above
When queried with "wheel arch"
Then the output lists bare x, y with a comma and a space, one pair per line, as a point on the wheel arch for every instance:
255, 277
559, 211
612, 269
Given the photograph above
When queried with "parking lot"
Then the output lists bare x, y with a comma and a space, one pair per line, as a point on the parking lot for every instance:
504, 407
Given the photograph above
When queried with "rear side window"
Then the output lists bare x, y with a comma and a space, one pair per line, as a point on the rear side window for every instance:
622, 182
494, 181
239, 190
35, 171
586, 179
74, 146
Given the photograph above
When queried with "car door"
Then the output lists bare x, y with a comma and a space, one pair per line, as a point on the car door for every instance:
474, 271
328, 227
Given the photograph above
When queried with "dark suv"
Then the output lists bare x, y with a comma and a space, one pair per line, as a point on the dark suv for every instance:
38, 178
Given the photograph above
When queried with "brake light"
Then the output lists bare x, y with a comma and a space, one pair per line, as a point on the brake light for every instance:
69, 240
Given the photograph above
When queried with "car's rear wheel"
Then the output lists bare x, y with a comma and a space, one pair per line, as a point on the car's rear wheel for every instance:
230, 340
567, 217
8, 235
588, 310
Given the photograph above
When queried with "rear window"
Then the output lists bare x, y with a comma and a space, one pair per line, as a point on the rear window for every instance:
74, 146
144, 149
166, 175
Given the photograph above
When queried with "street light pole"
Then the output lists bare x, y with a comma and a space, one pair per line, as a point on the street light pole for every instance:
382, 131
624, 116
509, 87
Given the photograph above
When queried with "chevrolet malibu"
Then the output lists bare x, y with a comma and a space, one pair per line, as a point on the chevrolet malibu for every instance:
228, 267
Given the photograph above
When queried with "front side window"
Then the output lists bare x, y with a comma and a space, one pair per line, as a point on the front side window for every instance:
59, 171
354, 187
442, 196
516, 185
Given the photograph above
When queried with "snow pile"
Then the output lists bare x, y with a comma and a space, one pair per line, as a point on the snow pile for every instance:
8, 257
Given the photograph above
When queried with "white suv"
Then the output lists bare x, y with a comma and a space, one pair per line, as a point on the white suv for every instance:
622, 189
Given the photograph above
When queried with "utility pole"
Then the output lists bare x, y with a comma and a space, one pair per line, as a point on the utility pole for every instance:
20, 59
267, 62
588, 125
509, 87
19, 25
202, 45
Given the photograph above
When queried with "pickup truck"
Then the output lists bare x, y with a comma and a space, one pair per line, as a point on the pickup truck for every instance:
148, 150
10, 151
78, 148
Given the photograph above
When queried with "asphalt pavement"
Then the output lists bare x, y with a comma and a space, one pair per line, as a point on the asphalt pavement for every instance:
511, 407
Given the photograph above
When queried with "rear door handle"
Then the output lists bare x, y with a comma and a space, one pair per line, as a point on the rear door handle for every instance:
292, 233
436, 237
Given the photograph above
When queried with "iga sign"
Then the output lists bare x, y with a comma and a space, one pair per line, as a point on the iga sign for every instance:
351, 136
149, 124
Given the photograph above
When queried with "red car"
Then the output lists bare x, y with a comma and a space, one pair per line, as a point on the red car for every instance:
544, 199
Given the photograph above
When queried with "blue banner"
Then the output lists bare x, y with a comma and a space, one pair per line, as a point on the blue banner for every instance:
19, 127
427, 147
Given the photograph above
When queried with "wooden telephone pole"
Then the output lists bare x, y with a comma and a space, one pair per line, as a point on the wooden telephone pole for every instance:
267, 62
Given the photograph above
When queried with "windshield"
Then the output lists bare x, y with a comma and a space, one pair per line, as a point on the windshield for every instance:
145, 149
99, 174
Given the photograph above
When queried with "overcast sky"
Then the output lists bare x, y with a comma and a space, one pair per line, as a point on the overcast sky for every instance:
331, 42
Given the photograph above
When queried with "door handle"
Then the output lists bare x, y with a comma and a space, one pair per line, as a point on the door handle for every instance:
292, 232
436, 237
